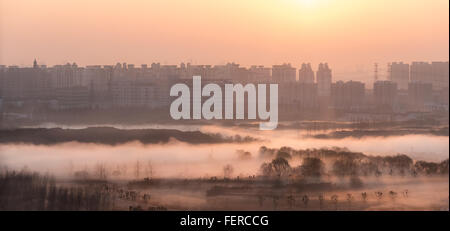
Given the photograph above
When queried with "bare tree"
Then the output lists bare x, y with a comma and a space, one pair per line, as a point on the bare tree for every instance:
275, 202
261, 200
349, 199
335, 199
228, 171
312, 167
364, 196
281, 166
291, 201
123, 169
305, 200
379, 195
137, 169
101, 171
405, 193
321, 200
393, 194
149, 170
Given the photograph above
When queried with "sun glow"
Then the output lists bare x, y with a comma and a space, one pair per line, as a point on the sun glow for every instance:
312, 8
309, 3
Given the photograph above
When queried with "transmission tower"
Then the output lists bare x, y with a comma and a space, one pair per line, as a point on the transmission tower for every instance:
389, 67
375, 71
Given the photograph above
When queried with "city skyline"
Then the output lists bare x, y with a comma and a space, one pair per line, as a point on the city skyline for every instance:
350, 36
224, 105
417, 86
415, 71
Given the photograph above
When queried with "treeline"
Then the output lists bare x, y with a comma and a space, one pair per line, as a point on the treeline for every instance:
112, 136
32, 191
342, 162
383, 133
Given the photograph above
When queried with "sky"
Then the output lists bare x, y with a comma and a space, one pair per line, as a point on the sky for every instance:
348, 34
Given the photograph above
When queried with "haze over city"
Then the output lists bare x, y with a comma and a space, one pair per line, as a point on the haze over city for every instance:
156, 105
350, 35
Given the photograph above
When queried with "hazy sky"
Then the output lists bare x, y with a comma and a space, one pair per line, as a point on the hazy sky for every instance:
349, 34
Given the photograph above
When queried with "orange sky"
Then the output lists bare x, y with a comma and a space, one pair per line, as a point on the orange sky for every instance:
349, 34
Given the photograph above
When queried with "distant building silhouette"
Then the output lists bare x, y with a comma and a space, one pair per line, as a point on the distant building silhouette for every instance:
399, 74
385, 94
65, 87
420, 95
306, 74
421, 72
283, 73
324, 79
440, 75
348, 95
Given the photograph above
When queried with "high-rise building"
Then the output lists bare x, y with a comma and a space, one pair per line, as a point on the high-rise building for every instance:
306, 74
283, 73
419, 94
399, 74
67, 76
348, 95
295, 97
76, 97
440, 75
324, 79
421, 72
98, 80
306, 96
259, 74
385, 93
129, 93
25, 83
189, 70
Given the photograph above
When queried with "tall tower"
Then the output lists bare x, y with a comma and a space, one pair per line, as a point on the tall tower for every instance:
35, 65
399, 73
323, 76
388, 71
375, 72
283, 73
306, 74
